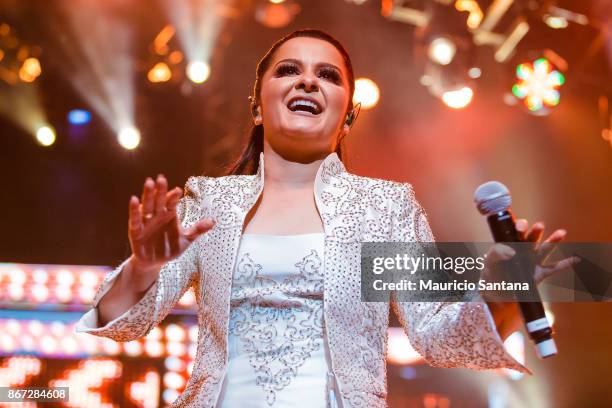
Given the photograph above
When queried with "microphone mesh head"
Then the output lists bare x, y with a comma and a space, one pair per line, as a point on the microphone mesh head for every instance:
492, 197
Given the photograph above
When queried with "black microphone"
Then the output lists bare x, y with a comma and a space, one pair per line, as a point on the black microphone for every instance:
493, 200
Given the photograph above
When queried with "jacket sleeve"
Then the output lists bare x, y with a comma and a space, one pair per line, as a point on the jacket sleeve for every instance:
174, 279
446, 334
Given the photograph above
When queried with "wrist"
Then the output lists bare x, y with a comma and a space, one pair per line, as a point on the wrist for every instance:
141, 275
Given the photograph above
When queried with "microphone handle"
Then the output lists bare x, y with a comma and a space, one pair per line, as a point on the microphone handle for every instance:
520, 268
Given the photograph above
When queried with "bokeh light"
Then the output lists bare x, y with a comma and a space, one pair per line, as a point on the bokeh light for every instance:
366, 93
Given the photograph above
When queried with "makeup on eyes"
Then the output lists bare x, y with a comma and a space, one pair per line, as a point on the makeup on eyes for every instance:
326, 70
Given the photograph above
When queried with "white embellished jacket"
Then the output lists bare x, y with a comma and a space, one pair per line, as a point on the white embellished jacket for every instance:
353, 209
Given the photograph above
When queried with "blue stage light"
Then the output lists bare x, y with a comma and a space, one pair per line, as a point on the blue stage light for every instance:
79, 117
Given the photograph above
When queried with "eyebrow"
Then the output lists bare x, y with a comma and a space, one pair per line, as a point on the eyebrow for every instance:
320, 64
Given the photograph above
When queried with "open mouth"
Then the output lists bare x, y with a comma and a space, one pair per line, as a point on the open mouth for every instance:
304, 104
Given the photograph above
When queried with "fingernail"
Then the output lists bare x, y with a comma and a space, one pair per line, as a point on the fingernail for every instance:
563, 231
577, 259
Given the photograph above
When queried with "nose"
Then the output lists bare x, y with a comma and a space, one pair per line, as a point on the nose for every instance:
309, 82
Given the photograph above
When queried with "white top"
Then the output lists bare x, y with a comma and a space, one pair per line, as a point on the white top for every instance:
278, 352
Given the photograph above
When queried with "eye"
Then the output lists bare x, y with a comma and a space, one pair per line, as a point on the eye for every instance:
331, 74
286, 69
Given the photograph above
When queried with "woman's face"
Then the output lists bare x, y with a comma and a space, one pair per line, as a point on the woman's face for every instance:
304, 96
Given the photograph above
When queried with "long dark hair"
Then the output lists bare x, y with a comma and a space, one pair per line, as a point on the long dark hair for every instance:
248, 162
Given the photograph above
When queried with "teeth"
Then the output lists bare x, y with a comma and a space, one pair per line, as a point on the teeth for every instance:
305, 103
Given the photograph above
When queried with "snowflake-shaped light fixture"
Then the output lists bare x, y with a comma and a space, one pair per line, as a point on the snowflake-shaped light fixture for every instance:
538, 85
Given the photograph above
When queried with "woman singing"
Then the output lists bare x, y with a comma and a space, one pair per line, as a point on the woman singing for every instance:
272, 251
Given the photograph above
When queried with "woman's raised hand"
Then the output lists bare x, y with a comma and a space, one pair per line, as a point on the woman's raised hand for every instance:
543, 270
154, 230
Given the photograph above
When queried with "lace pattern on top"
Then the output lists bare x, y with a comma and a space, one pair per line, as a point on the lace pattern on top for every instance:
277, 321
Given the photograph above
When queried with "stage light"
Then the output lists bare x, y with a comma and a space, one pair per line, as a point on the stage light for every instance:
161, 40
507, 47
45, 135
133, 348
555, 22
36, 328
88, 278
175, 57
474, 72
30, 70
7, 343
48, 344
193, 333
169, 395
129, 138
40, 293
174, 380
17, 276
159, 73
459, 98
442, 50
146, 393
366, 93
110, 346
13, 327
26, 343
86, 294
63, 294
192, 350
97, 54
40, 275
154, 348
188, 299
15, 291
515, 346
69, 346
273, 15
79, 117
174, 364
538, 85
399, 349
64, 277
155, 334
174, 348
176, 333
475, 13
198, 71
57, 329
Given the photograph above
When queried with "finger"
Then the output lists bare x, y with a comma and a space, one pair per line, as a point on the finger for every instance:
135, 218
161, 189
521, 226
135, 227
537, 230
147, 197
498, 253
546, 271
172, 198
198, 228
548, 245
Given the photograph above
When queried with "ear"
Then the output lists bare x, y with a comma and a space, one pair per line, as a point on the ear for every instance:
350, 119
256, 113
